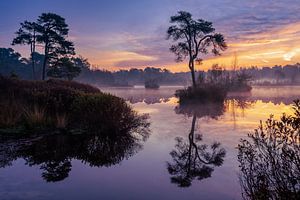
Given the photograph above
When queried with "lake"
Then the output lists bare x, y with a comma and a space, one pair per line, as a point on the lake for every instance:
148, 170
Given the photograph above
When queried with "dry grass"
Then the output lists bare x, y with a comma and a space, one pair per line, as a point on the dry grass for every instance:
61, 120
35, 115
10, 114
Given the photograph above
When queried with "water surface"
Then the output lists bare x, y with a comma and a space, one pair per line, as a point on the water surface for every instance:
120, 170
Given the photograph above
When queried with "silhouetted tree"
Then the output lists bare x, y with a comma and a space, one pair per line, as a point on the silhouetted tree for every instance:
53, 32
39, 60
193, 37
11, 61
27, 35
65, 68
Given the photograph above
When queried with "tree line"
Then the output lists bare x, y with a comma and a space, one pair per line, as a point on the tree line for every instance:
11, 62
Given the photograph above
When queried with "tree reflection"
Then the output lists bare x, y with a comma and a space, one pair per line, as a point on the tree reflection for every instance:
192, 159
270, 159
211, 110
53, 153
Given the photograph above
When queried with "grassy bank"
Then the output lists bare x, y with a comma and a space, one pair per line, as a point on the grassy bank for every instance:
56, 105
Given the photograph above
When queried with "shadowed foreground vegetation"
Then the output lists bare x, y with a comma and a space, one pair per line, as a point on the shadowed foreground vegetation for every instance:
56, 105
270, 159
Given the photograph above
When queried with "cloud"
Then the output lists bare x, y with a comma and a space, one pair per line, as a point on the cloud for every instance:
258, 31
112, 58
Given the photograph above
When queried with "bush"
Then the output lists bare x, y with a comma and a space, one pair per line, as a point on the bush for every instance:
55, 105
104, 113
203, 93
270, 159
151, 84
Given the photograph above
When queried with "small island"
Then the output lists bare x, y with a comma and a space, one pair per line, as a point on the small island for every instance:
151, 84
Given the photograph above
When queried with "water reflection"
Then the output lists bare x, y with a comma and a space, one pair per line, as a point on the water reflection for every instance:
270, 159
211, 110
191, 158
276, 95
138, 94
54, 153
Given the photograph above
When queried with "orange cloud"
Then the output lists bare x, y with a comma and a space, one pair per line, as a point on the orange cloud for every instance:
112, 58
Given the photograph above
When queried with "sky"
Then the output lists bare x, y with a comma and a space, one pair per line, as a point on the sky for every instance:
120, 34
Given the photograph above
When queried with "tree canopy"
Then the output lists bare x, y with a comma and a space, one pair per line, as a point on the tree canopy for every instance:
50, 31
193, 38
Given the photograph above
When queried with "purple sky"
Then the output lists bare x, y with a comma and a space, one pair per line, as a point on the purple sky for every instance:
118, 34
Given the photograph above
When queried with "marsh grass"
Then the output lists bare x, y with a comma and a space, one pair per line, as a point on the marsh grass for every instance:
64, 105
35, 116
10, 113
202, 94
61, 121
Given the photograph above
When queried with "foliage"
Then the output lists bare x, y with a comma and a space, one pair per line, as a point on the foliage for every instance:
113, 113
64, 68
193, 37
53, 32
203, 93
270, 159
57, 104
151, 84
27, 35
233, 81
11, 61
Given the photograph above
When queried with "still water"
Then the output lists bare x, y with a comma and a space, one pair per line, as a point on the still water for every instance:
153, 169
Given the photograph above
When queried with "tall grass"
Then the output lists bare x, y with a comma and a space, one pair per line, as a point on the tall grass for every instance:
55, 105
35, 116
61, 121
10, 113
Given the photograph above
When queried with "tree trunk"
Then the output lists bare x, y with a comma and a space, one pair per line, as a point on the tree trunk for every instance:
192, 68
45, 62
44, 67
33, 66
32, 55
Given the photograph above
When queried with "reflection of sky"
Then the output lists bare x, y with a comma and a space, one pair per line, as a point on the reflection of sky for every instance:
116, 33
276, 95
144, 176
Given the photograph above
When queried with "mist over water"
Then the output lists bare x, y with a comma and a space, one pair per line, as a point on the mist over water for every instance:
141, 170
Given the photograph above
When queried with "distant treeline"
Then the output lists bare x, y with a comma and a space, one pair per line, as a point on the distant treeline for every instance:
133, 77
13, 64
277, 75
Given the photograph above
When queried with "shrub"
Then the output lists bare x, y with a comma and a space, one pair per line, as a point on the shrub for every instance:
51, 105
270, 159
10, 113
151, 84
203, 93
104, 113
